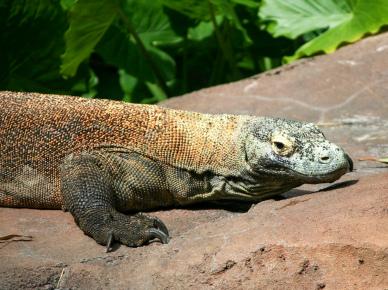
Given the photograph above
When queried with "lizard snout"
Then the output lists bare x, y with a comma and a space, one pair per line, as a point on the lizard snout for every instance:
350, 161
325, 158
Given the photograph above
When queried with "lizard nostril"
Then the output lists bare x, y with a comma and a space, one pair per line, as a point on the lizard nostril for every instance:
324, 159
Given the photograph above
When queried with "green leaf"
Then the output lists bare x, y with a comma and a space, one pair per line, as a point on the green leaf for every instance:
203, 30
67, 4
248, 3
383, 159
371, 158
157, 93
26, 9
192, 8
89, 20
118, 49
294, 18
149, 27
227, 9
34, 67
345, 21
150, 22
128, 84
201, 10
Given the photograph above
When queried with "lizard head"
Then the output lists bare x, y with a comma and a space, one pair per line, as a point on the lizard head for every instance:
294, 152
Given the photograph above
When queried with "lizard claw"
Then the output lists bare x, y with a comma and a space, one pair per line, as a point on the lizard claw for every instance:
133, 231
158, 234
109, 242
158, 224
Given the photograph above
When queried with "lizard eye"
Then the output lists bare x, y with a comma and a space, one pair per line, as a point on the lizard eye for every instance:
279, 145
282, 145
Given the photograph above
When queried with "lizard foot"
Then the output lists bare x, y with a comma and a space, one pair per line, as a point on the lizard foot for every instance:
133, 231
136, 230
87, 185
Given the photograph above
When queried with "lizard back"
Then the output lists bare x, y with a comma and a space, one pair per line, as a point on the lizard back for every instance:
38, 131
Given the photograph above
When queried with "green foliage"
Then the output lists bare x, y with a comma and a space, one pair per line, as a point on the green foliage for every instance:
145, 51
31, 42
31, 9
343, 20
86, 29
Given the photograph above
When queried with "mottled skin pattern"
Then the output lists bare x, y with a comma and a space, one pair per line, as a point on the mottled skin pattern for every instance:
100, 159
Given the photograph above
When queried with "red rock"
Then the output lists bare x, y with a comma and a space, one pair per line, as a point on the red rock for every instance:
334, 239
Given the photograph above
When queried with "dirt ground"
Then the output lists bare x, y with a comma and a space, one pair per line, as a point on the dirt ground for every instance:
314, 238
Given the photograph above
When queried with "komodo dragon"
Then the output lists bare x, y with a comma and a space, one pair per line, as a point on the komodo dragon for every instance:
100, 159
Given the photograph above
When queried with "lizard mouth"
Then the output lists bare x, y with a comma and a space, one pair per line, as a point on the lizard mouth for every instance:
293, 175
330, 176
318, 176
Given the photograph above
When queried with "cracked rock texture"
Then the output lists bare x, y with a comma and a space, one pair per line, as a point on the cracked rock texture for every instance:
315, 238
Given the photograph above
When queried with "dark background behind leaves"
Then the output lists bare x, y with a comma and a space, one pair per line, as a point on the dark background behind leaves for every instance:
145, 51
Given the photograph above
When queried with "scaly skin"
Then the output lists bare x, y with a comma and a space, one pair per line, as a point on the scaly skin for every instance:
99, 159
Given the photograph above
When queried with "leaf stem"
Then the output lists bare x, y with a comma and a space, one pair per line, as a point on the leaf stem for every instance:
185, 84
225, 48
158, 75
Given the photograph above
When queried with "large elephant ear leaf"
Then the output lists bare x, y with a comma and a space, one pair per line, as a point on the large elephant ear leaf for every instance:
343, 21
89, 20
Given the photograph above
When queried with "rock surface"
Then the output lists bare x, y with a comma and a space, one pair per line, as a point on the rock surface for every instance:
336, 238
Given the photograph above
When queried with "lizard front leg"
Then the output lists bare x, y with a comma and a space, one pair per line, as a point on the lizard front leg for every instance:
89, 194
